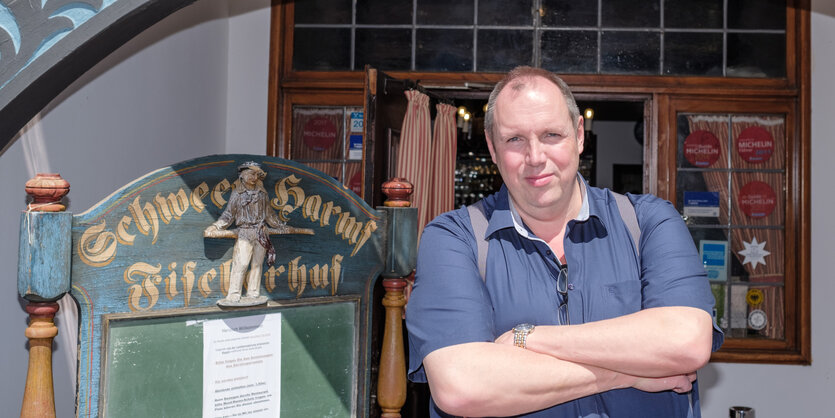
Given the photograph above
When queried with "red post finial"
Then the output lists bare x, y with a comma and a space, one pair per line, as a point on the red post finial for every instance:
399, 191
47, 190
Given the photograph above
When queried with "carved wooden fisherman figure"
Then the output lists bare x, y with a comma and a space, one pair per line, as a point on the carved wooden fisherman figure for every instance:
255, 219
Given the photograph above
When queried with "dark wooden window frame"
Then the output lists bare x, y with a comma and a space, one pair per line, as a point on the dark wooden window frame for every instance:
667, 96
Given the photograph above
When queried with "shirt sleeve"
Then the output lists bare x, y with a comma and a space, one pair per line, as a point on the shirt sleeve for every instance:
449, 304
228, 216
672, 273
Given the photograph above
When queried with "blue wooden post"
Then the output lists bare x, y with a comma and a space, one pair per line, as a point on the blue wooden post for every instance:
43, 277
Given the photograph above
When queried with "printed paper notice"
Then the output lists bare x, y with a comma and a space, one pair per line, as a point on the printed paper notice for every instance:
242, 367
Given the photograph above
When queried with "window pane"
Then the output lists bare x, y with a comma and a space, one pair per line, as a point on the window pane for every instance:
756, 55
631, 13
569, 51
501, 50
561, 13
390, 49
316, 134
321, 49
693, 54
630, 52
384, 12
444, 50
693, 14
323, 11
757, 14
505, 13
445, 12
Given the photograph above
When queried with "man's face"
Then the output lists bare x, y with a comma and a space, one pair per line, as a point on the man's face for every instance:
249, 177
535, 146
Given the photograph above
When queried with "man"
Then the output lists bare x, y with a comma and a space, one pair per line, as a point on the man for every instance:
599, 330
249, 209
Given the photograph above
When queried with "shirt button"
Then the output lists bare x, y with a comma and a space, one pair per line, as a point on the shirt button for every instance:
548, 252
570, 286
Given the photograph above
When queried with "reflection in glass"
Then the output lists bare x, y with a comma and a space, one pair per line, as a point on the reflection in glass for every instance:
569, 51
322, 12
444, 50
501, 50
505, 13
756, 55
561, 13
625, 52
384, 12
693, 14
384, 48
630, 13
757, 14
321, 49
693, 53
445, 12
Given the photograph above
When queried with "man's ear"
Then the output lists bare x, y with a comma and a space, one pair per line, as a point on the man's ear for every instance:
581, 135
490, 145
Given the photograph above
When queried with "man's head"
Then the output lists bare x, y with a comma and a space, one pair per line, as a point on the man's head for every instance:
535, 138
251, 173
516, 79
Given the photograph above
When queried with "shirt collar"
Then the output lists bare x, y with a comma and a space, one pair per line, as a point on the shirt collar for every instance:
505, 214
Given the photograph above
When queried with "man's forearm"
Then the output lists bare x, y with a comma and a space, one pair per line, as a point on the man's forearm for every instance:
488, 379
653, 342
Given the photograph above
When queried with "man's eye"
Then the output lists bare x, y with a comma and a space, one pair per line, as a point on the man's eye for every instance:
513, 139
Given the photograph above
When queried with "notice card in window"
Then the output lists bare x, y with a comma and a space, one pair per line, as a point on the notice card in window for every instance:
242, 366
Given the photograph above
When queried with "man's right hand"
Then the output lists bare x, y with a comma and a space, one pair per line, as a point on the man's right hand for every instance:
678, 384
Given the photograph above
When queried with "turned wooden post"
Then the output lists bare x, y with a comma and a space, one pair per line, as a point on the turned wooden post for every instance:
401, 248
43, 278
38, 396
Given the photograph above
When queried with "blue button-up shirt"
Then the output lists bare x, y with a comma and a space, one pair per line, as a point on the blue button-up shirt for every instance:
451, 304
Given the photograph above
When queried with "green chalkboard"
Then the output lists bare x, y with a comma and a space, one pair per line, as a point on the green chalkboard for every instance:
154, 365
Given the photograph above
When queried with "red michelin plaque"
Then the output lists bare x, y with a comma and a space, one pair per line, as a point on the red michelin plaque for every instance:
757, 199
319, 133
755, 145
701, 148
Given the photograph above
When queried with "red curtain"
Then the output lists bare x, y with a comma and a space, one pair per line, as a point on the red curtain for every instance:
443, 162
414, 152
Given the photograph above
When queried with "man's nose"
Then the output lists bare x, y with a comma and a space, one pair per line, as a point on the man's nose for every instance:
535, 153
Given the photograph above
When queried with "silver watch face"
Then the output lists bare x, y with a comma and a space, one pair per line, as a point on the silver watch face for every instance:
523, 328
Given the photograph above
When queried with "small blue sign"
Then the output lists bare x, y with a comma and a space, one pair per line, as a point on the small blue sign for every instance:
355, 147
701, 204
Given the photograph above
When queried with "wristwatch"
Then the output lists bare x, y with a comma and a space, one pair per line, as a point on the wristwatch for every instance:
520, 334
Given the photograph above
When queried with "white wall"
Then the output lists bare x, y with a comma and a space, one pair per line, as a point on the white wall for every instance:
616, 144
192, 85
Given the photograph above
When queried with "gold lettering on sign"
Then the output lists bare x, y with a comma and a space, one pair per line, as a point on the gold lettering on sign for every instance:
203, 284
188, 281
173, 206
122, 234
270, 276
97, 247
217, 193
289, 197
171, 282
311, 207
283, 194
143, 278
145, 218
297, 277
146, 281
329, 209
197, 196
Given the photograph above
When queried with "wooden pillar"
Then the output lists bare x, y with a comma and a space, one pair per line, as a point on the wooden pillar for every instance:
39, 397
391, 384
401, 249
43, 278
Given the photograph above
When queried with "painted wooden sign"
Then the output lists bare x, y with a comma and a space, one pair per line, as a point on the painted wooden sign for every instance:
141, 253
